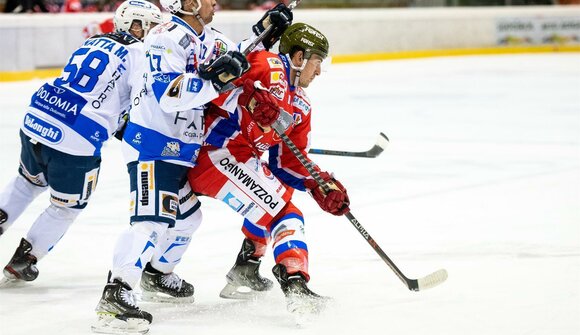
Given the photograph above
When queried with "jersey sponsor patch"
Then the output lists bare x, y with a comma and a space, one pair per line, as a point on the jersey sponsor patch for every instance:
175, 89
162, 78
301, 104
63, 199
168, 205
275, 63
297, 118
58, 102
171, 149
277, 91
232, 201
194, 85
42, 129
277, 77
240, 175
220, 48
184, 41
90, 183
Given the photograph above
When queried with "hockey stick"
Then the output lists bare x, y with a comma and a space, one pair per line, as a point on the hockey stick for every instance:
266, 31
431, 280
373, 152
230, 85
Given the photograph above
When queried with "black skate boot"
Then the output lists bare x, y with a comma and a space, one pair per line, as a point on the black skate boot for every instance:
3, 218
299, 298
244, 280
22, 266
118, 313
160, 287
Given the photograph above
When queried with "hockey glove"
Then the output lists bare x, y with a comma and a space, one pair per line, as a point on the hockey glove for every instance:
122, 124
336, 201
226, 68
260, 102
280, 17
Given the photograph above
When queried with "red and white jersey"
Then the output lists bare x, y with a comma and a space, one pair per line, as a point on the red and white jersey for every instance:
245, 139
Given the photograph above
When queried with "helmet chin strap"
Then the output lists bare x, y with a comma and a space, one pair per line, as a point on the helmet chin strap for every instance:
194, 12
298, 69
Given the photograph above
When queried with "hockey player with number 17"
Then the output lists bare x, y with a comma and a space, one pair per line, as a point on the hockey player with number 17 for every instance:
230, 168
64, 129
188, 63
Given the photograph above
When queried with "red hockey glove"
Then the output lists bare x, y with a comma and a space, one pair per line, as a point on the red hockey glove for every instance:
336, 201
258, 100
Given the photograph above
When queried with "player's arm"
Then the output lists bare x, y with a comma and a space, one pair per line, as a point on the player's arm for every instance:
176, 89
284, 164
280, 17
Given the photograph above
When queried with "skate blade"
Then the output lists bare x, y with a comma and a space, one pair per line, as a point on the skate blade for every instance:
231, 291
10, 283
147, 296
107, 323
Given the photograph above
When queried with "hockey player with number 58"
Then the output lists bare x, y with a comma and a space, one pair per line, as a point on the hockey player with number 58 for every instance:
230, 169
64, 128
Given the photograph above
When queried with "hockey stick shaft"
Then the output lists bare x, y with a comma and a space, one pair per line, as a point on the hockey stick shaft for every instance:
428, 281
373, 152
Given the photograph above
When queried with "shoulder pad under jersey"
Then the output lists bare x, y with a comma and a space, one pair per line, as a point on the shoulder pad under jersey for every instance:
125, 39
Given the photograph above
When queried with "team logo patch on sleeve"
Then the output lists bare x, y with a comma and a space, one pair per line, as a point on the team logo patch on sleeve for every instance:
275, 63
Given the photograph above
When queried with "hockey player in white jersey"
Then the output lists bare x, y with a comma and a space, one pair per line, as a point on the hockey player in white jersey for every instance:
64, 128
188, 63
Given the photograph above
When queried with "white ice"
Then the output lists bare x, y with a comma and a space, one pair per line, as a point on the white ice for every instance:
482, 178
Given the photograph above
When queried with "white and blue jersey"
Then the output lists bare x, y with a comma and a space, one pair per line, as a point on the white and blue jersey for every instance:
80, 110
166, 119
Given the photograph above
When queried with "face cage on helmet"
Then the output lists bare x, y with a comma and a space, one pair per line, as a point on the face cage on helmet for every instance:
126, 25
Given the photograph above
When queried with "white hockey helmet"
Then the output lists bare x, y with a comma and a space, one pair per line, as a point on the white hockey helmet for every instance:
131, 10
175, 6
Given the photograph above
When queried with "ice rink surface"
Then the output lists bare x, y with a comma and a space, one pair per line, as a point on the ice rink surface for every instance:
482, 178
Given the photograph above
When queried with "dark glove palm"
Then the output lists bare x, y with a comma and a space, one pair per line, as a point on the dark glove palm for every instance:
226, 68
280, 17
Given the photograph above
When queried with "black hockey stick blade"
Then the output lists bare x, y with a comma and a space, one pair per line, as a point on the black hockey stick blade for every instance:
373, 152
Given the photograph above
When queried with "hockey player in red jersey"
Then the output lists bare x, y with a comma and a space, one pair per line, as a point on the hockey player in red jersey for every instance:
230, 169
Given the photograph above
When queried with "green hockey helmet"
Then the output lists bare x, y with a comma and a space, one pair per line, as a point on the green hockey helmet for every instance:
306, 38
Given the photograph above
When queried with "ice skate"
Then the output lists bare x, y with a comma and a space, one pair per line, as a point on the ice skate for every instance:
300, 300
161, 287
244, 280
22, 266
117, 312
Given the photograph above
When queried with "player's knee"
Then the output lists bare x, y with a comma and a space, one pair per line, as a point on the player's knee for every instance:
288, 211
63, 213
189, 225
149, 228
